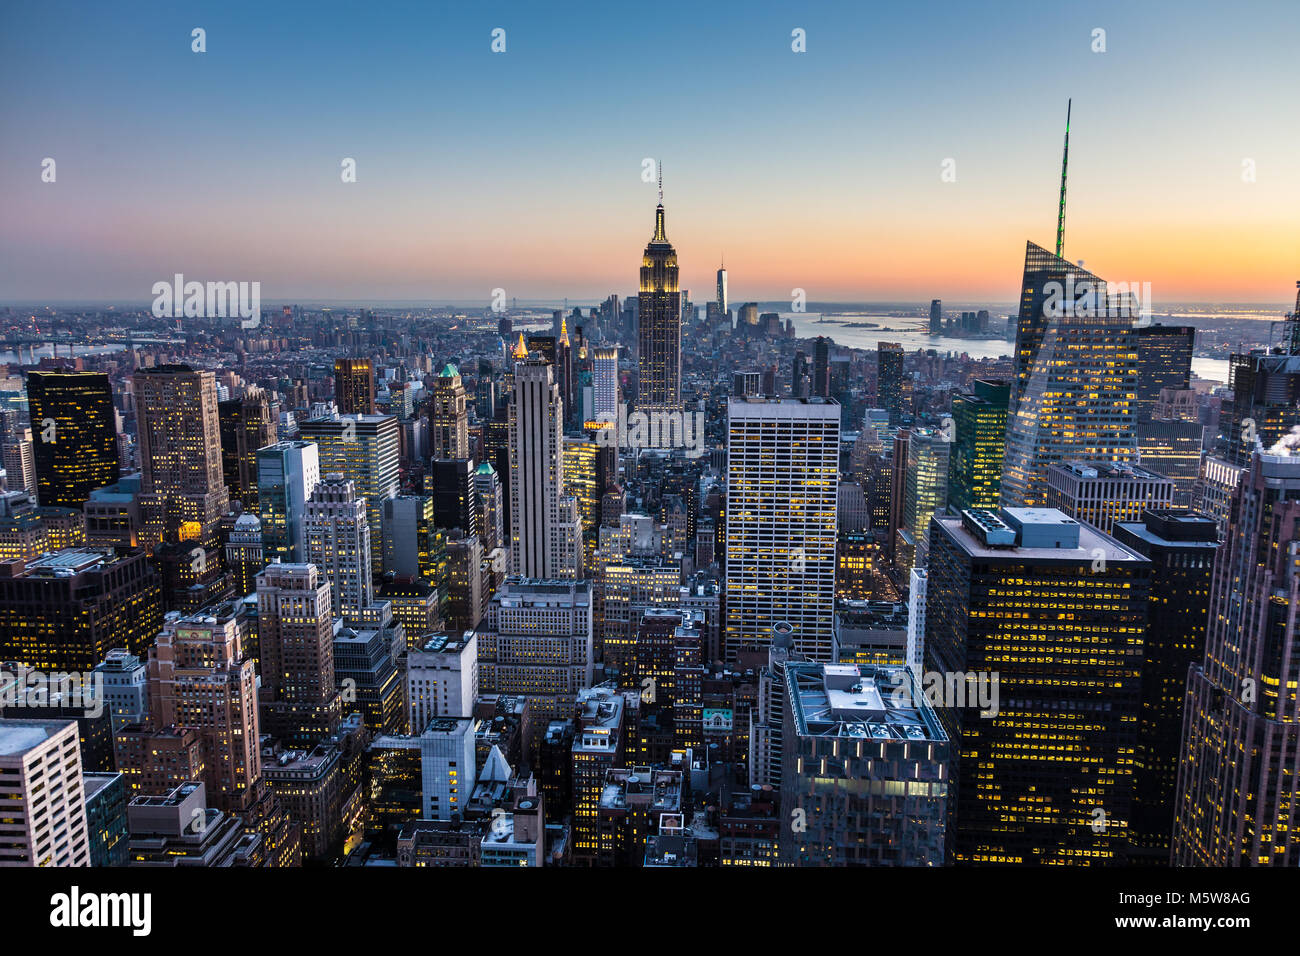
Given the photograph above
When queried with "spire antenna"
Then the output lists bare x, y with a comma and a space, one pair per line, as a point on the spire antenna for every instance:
661, 181
1065, 163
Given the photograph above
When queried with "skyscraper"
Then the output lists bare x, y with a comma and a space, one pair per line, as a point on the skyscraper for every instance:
487, 485
354, 386
45, 802
545, 530
201, 679
1075, 392
782, 491
183, 489
889, 380
1236, 799
659, 324
246, 427
1041, 621
339, 544
979, 424
604, 383
363, 448
449, 416
536, 641
295, 630
936, 317
849, 804
722, 288
74, 435
821, 383
1181, 546
1164, 361
287, 475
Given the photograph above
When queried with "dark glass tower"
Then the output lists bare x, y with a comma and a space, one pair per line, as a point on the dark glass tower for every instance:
354, 386
889, 379
1075, 391
1181, 547
1057, 611
74, 435
659, 322
1164, 361
979, 424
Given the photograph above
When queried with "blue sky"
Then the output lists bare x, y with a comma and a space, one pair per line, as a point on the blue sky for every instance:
522, 170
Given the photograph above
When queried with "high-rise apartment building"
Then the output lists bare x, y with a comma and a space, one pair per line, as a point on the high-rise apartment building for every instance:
295, 630
200, 679
74, 435
782, 492
338, 544
363, 448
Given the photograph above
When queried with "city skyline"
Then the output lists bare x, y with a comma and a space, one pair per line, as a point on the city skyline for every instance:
834, 186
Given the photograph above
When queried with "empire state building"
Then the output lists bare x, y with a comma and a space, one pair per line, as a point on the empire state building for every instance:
659, 315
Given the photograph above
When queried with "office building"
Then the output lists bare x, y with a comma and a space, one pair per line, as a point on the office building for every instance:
889, 380
865, 774
74, 435
338, 544
1075, 392
1042, 618
1235, 803
45, 800
1100, 493
1164, 361
659, 325
449, 416
354, 386
442, 678
979, 445
1181, 546
295, 631
782, 491
287, 475
545, 528
247, 425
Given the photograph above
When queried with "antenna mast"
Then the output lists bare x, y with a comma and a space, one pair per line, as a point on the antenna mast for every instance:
1065, 163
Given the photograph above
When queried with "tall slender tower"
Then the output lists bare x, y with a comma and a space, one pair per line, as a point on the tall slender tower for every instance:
183, 489
338, 543
1240, 759
722, 287
659, 321
545, 534
449, 416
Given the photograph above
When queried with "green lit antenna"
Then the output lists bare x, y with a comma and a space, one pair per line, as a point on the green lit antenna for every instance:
1065, 163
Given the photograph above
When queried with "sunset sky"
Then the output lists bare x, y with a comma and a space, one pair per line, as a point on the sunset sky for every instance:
522, 170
